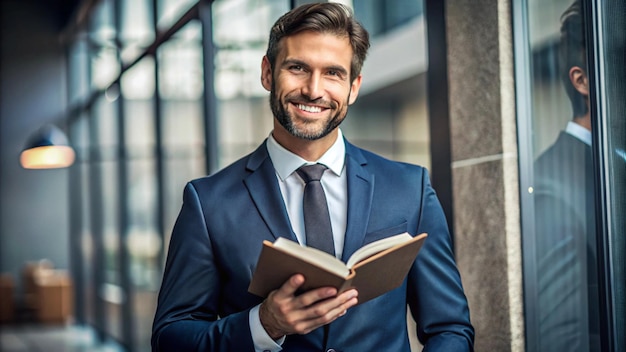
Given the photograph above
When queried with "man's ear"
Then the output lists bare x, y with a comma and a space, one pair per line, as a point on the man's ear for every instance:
579, 80
266, 74
354, 89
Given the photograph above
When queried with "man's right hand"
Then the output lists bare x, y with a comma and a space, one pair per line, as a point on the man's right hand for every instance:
283, 313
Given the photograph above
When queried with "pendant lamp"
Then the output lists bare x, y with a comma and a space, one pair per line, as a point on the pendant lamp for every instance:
48, 148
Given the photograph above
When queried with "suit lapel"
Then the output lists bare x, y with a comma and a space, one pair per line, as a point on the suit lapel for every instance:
360, 196
265, 193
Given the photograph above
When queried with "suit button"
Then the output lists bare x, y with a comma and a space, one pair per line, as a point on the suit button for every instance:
330, 350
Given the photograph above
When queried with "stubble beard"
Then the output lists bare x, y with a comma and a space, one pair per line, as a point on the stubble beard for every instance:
286, 119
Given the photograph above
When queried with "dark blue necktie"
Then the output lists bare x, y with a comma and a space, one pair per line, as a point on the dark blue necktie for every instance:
319, 233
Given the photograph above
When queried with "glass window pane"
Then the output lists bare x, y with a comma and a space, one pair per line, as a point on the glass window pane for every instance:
138, 82
104, 68
78, 81
390, 116
180, 65
181, 89
104, 163
563, 260
143, 243
104, 64
136, 27
81, 143
142, 238
384, 16
240, 33
169, 11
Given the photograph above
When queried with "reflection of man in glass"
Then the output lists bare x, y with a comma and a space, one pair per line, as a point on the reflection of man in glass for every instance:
565, 213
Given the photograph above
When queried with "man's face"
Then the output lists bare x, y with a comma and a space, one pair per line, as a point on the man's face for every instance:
310, 88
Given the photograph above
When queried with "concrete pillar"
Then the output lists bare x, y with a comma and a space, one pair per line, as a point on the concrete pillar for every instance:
484, 169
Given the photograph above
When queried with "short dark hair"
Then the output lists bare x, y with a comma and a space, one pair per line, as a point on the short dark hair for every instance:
326, 17
572, 53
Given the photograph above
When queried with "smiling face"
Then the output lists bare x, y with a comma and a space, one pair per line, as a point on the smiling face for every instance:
310, 87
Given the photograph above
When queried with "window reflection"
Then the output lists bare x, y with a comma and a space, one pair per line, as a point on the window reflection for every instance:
564, 191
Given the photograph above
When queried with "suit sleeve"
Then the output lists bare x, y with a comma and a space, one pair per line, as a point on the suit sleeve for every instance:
435, 293
187, 316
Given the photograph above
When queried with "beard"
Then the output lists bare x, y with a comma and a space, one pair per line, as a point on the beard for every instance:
313, 132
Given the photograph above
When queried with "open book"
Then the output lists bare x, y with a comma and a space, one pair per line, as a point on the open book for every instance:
374, 269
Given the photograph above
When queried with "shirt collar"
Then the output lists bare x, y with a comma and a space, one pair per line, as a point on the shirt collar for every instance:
286, 162
579, 132
583, 134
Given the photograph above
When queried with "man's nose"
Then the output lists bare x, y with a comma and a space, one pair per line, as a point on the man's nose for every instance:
314, 87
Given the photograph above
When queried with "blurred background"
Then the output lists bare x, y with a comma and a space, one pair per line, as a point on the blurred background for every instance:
149, 94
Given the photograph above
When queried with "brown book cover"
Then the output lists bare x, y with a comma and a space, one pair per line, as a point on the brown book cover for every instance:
372, 276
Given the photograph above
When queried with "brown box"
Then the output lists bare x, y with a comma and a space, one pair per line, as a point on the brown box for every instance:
30, 273
7, 298
53, 297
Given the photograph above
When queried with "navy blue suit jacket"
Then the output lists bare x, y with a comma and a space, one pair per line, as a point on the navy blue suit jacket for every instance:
204, 303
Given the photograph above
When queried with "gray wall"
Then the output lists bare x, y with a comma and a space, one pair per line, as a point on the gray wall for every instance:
33, 203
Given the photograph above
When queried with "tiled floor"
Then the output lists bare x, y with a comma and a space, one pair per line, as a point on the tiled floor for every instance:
36, 338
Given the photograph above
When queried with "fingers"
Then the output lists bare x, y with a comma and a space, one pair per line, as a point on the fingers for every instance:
283, 313
326, 311
288, 292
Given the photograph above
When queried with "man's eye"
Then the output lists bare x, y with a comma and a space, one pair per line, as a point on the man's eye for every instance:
337, 74
296, 68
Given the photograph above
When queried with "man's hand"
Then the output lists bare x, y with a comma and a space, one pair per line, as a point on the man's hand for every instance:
282, 313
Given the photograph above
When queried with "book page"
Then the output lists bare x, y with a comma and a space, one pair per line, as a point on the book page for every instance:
377, 246
313, 256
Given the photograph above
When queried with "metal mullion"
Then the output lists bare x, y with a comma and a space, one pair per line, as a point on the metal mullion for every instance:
75, 215
159, 155
97, 225
523, 108
209, 98
96, 208
439, 107
594, 36
122, 188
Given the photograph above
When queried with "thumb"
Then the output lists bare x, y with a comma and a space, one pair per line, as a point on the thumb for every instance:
290, 286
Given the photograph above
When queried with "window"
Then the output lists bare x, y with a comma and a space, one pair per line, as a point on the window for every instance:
571, 131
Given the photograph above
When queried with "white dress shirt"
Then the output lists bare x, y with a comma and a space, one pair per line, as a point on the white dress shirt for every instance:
334, 182
584, 135
579, 132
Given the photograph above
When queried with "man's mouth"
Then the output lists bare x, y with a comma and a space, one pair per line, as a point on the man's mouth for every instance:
309, 108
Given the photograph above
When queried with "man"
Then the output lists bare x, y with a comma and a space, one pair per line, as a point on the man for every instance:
312, 70
568, 302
